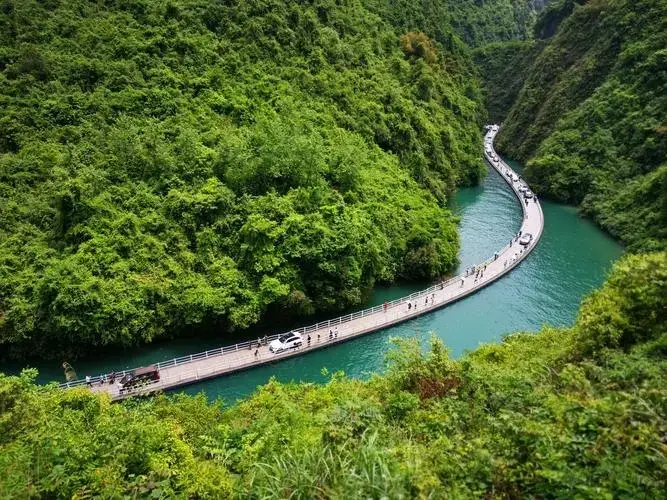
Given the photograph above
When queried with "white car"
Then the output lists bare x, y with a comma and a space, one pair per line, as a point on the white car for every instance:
526, 239
284, 342
528, 194
522, 188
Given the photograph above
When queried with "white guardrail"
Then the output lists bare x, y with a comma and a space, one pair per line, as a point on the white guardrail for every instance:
323, 324
249, 344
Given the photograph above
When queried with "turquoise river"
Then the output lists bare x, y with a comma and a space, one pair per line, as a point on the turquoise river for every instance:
572, 258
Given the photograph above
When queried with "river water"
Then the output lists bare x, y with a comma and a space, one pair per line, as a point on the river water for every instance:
572, 258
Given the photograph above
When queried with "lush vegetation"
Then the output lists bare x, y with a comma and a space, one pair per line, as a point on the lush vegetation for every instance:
476, 22
485, 21
502, 67
182, 164
590, 118
553, 15
576, 412
166, 165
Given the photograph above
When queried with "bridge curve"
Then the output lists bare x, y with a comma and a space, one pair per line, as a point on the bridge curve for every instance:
224, 360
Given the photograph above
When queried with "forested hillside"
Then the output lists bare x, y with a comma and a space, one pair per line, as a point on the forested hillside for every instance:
170, 165
477, 22
590, 118
194, 164
502, 67
566, 413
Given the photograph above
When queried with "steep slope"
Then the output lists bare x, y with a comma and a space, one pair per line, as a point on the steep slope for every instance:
565, 413
590, 118
502, 67
476, 22
166, 166
499, 31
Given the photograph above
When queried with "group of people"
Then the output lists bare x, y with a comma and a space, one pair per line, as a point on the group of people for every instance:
412, 305
477, 270
260, 342
102, 379
480, 273
514, 257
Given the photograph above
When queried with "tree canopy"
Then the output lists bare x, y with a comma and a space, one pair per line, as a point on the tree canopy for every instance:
568, 412
590, 118
194, 164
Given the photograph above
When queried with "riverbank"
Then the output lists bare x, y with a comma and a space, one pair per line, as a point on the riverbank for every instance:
545, 289
213, 363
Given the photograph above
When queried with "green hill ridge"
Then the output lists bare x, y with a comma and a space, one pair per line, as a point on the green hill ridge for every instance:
170, 165
589, 120
166, 166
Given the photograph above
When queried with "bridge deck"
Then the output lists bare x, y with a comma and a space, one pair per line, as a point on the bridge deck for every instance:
226, 360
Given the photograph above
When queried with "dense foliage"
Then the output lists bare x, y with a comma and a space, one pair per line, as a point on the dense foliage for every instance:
476, 21
502, 67
191, 163
553, 15
590, 117
567, 413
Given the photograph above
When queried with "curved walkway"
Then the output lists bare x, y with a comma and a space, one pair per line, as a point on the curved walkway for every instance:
190, 369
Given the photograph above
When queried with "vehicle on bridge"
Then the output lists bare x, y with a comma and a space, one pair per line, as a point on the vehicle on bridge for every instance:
528, 194
284, 342
140, 376
526, 239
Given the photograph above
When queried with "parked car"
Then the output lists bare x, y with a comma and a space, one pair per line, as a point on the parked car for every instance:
284, 342
528, 194
526, 239
523, 188
140, 376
